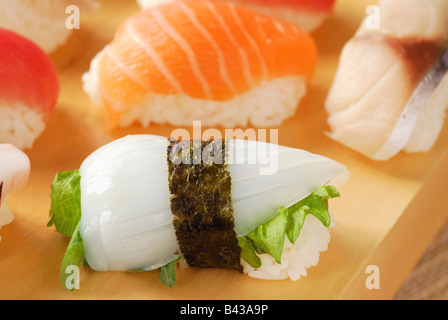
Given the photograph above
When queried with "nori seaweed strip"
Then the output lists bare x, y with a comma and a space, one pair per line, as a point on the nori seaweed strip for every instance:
201, 203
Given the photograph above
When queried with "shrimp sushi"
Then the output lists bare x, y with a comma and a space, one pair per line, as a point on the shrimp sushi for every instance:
146, 202
390, 92
309, 15
42, 21
29, 89
14, 173
202, 60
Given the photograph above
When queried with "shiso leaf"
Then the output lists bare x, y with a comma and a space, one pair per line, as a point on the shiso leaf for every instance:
269, 238
168, 273
65, 210
72, 259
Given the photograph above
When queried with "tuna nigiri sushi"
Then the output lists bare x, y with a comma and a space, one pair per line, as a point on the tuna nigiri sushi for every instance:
201, 60
42, 21
390, 92
307, 14
29, 89
14, 173
142, 202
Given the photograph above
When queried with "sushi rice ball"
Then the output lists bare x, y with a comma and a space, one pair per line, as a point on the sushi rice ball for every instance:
43, 21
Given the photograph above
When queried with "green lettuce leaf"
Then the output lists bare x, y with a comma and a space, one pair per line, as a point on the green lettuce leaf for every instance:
72, 259
269, 238
168, 273
65, 215
65, 210
248, 252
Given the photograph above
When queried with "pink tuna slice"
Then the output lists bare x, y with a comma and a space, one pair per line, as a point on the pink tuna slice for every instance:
27, 74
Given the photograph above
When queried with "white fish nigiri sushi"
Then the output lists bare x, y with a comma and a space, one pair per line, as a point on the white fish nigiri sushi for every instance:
14, 173
309, 15
140, 209
42, 21
390, 91
202, 60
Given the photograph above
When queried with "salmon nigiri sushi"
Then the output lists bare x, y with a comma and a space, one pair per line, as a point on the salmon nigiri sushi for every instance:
308, 14
29, 89
390, 92
14, 173
202, 60
141, 202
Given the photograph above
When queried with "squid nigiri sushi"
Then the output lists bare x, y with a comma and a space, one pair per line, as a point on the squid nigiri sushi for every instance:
14, 174
390, 92
143, 202
307, 14
42, 21
29, 89
202, 60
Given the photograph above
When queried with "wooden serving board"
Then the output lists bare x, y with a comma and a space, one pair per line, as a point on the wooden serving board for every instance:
388, 213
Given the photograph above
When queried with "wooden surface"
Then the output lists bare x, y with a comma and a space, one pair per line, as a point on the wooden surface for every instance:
388, 214
429, 279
